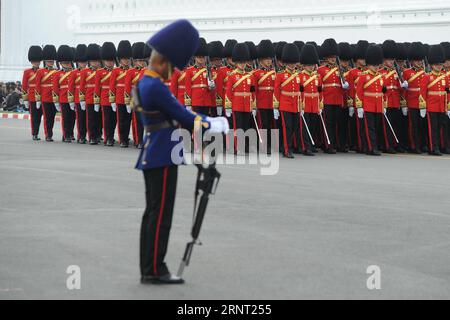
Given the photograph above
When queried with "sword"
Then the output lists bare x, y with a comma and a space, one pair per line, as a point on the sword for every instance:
390, 126
325, 129
257, 128
307, 129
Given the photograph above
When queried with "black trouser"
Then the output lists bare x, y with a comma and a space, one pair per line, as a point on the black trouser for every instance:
123, 123
265, 119
241, 120
355, 132
331, 114
291, 131
138, 129
100, 123
206, 111
109, 123
67, 117
373, 131
49, 112
343, 128
397, 120
417, 130
315, 127
437, 131
35, 118
160, 191
92, 122
81, 122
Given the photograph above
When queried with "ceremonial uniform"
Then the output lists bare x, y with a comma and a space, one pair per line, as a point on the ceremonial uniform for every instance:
178, 85
355, 122
63, 97
29, 91
44, 92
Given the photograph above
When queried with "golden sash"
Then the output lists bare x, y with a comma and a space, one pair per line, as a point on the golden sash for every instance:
414, 77
136, 78
48, 75
106, 77
198, 74
32, 77
241, 80
368, 84
309, 80
64, 77
329, 74
289, 80
265, 77
183, 76
90, 77
436, 81
390, 74
121, 76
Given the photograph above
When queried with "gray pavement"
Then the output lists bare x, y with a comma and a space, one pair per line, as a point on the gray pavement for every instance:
309, 232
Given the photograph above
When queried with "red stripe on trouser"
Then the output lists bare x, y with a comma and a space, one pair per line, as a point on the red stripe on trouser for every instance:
158, 227
301, 134
62, 122
87, 122
386, 140
430, 134
77, 120
31, 118
135, 134
118, 123
412, 143
286, 147
369, 144
235, 135
45, 120
103, 122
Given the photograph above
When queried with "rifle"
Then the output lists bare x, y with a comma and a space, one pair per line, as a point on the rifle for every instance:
399, 72
209, 71
341, 71
207, 182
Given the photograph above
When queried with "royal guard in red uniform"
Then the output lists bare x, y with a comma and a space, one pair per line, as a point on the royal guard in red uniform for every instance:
199, 83
370, 104
265, 85
240, 97
333, 91
416, 105
178, 85
102, 92
446, 46
393, 99
224, 73
62, 97
29, 90
435, 90
359, 57
117, 92
287, 101
311, 99
215, 53
131, 80
87, 94
44, 90
343, 120
74, 90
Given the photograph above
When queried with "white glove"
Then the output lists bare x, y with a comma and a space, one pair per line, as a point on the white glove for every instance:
405, 111
351, 112
320, 112
302, 113
97, 108
448, 113
72, 106
189, 108
423, 113
405, 84
58, 107
114, 107
129, 110
254, 112
211, 84
360, 113
218, 125
228, 112
83, 105
346, 85
219, 111
26, 104
38, 105
276, 114
384, 110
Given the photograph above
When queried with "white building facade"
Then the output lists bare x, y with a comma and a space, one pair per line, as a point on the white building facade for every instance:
40, 22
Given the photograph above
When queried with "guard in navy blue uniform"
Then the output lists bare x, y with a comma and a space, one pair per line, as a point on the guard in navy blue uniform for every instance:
159, 109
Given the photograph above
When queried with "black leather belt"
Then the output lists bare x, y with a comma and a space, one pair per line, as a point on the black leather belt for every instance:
155, 127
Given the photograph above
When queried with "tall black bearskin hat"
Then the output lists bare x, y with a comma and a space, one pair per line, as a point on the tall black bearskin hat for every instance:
416, 51
138, 50
241, 53
147, 52
329, 48
65, 54
402, 53
124, 50
279, 49
229, 47
290, 54
35, 54
253, 50
361, 50
49, 53
446, 47
202, 50
390, 49
266, 49
436, 54
93, 52
299, 45
345, 51
81, 53
309, 55
374, 55
109, 52
215, 50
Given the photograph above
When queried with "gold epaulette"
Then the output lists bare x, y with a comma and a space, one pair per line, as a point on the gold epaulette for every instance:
127, 98
187, 100
422, 103
96, 99
112, 97
55, 97
70, 97
228, 104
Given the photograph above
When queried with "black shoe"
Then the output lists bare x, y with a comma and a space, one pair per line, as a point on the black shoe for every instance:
36, 138
124, 145
93, 142
374, 153
83, 141
415, 151
68, 140
314, 150
110, 144
425, 150
330, 151
73, 138
289, 156
49, 140
391, 151
165, 280
140, 146
400, 150
445, 151
343, 150
435, 152
308, 153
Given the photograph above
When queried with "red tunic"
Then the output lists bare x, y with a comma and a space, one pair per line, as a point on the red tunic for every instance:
29, 85
87, 86
131, 79
393, 88
414, 78
433, 90
352, 79
265, 86
311, 97
239, 95
117, 86
74, 84
102, 88
178, 85
61, 93
287, 92
197, 89
222, 80
369, 92
333, 93
44, 85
